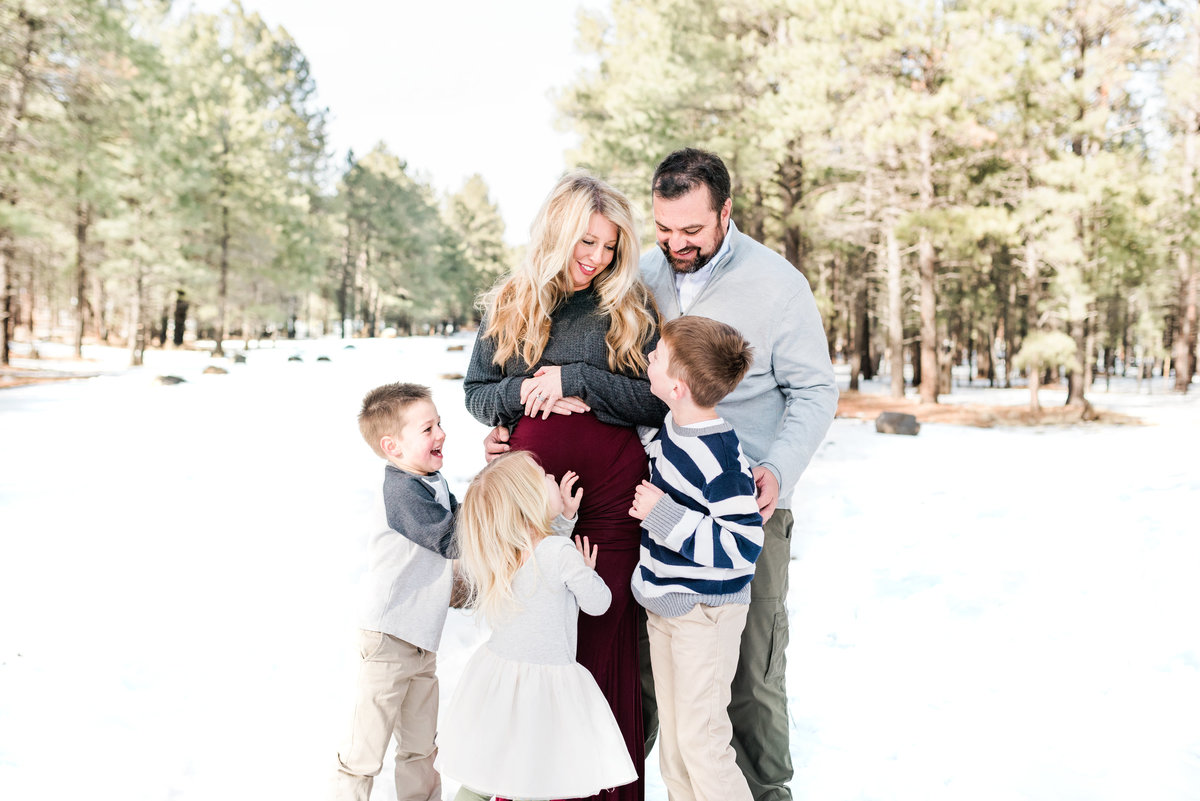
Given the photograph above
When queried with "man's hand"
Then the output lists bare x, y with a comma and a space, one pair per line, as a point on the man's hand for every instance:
644, 498
570, 501
768, 491
495, 443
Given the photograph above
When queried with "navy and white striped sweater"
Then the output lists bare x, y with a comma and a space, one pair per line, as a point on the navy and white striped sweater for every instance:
701, 539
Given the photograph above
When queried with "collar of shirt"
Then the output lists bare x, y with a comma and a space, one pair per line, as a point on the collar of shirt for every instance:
440, 489
716, 421
689, 285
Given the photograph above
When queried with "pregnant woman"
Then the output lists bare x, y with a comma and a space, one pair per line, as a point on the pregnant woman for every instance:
560, 364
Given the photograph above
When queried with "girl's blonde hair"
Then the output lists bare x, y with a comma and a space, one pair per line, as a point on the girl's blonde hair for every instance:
505, 512
519, 307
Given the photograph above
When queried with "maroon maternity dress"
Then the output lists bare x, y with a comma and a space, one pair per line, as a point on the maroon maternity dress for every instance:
611, 462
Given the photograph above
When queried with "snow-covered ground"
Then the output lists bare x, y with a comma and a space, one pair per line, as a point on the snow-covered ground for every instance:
976, 614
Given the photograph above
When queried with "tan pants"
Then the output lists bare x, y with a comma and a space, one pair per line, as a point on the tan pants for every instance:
397, 696
694, 657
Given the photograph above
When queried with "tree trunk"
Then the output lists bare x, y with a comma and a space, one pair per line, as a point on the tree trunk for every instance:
1035, 376
927, 270
754, 215
31, 312
1007, 335
12, 114
223, 282
989, 351
6, 298
914, 358
223, 266
1089, 348
945, 362
1185, 329
929, 345
1185, 336
181, 310
1033, 287
83, 220
369, 295
862, 344
853, 339
136, 340
101, 310
790, 178
835, 319
895, 324
1075, 386
161, 325
867, 357
343, 295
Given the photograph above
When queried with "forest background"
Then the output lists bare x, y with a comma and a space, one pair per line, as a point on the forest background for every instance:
1005, 185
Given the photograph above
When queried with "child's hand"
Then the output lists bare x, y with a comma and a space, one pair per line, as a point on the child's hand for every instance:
570, 502
582, 546
644, 498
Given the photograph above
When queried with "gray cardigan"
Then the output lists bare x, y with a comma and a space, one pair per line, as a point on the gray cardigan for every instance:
784, 406
408, 575
576, 343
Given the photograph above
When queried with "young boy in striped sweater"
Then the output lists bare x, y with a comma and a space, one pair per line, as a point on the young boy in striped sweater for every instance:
701, 533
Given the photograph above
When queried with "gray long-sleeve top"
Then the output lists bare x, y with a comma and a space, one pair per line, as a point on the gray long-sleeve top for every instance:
576, 343
551, 589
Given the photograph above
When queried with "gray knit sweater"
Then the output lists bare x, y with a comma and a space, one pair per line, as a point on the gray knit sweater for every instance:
576, 343
785, 404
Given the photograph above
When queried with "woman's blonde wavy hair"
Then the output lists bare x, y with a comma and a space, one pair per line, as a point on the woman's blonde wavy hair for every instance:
519, 307
505, 512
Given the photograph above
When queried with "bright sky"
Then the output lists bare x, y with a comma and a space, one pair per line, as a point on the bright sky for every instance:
453, 87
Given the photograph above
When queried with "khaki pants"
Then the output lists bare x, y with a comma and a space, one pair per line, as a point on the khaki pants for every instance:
694, 657
758, 709
397, 696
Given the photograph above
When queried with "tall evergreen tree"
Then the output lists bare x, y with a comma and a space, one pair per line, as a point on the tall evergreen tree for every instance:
255, 141
480, 257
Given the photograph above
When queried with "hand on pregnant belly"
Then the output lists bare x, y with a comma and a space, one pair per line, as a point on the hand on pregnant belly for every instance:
542, 394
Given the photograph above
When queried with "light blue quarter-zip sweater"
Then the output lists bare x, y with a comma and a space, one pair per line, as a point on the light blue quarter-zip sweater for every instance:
784, 406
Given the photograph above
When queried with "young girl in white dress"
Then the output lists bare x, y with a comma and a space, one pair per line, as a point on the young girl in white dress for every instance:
526, 720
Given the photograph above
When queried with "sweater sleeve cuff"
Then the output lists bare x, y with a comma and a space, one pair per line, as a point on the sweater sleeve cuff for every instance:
563, 526
778, 477
571, 376
663, 518
510, 388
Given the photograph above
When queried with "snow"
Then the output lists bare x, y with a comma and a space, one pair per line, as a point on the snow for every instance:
976, 614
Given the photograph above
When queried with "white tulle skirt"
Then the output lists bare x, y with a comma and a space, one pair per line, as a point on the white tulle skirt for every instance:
520, 730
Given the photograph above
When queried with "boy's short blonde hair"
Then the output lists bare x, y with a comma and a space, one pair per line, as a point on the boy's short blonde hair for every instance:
383, 411
709, 356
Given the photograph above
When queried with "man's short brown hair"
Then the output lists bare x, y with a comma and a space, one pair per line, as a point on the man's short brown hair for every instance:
709, 356
383, 411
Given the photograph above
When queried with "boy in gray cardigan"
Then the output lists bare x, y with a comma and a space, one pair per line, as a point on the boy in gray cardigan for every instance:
409, 582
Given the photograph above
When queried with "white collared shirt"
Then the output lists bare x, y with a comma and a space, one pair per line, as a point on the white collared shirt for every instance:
688, 286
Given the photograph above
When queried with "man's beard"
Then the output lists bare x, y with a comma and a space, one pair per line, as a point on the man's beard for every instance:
702, 258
